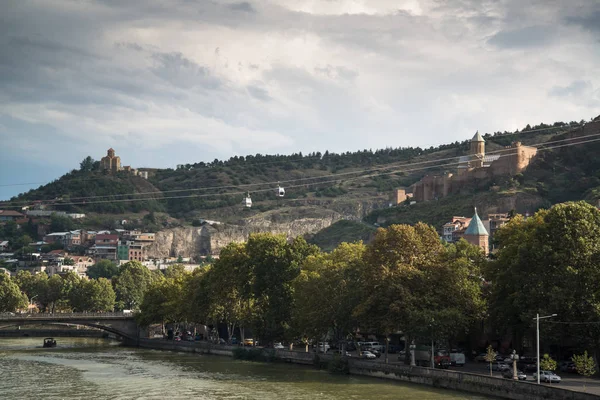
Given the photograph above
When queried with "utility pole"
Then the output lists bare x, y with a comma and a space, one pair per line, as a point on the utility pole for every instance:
537, 318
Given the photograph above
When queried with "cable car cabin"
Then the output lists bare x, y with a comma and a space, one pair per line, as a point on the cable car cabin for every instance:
247, 202
280, 191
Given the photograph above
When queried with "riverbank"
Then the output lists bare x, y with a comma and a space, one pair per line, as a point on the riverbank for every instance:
444, 379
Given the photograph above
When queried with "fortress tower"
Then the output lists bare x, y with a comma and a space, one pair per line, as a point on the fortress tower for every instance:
477, 151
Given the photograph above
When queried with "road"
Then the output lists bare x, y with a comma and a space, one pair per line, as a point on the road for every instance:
568, 380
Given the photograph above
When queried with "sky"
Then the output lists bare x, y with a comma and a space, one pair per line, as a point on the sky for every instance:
182, 81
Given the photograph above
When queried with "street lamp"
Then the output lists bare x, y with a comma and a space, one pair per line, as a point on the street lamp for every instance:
412, 353
31, 302
515, 357
537, 318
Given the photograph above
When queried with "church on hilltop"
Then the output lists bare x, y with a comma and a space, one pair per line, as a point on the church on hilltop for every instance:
476, 165
111, 164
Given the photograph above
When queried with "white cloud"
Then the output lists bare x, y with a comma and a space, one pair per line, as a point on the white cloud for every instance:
239, 77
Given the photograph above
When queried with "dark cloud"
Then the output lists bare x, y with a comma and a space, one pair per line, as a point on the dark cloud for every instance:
243, 6
183, 72
590, 21
531, 36
259, 93
574, 89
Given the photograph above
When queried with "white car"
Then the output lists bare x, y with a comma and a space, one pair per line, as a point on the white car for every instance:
500, 366
278, 346
323, 347
547, 376
368, 355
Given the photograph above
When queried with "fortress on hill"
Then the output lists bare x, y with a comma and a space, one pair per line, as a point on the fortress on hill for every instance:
476, 165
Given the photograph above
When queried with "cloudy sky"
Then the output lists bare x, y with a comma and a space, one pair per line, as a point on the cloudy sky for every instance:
181, 81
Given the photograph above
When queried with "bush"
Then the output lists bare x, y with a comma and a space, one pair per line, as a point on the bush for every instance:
338, 365
253, 354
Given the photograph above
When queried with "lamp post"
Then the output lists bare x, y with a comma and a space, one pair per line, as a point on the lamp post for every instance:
515, 357
31, 303
537, 318
412, 348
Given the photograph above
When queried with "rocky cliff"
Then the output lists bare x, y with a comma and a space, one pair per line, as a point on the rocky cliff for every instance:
210, 239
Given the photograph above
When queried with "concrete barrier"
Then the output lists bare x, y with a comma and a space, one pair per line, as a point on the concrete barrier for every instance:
474, 383
454, 380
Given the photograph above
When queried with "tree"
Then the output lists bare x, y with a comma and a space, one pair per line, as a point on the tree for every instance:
68, 261
547, 363
102, 269
131, 283
585, 365
550, 261
87, 165
94, 295
11, 298
326, 293
58, 223
490, 357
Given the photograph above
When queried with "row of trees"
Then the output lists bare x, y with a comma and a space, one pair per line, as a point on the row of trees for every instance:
112, 288
405, 280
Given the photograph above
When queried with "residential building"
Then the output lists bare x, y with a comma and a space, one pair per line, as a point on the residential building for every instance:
123, 252
477, 235
10, 215
4, 245
56, 237
72, 239
493, 223
105, 246
136, 252
456, 224
143, 237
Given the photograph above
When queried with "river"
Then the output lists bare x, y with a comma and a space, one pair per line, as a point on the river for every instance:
88, 368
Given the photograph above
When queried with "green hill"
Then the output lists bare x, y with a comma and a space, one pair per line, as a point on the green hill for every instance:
349, 183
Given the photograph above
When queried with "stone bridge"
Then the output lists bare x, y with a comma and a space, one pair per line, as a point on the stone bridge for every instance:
121, 324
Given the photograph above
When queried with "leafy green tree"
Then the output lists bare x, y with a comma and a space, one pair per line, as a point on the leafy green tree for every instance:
94, 295
58, 223
166, 300
547, 363
131, 283
548, 263
87, 165
490, 356
23, 241
53, 291
327, 291
274, 264
68, 261
406, 279
585, 365
102, 269
11, 298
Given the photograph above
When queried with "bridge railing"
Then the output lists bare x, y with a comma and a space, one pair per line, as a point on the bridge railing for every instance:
80, 315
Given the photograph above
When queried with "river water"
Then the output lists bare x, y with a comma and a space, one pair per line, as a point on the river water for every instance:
88, 368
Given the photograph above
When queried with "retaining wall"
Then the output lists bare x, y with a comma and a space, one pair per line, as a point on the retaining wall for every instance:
454, 380
474, 383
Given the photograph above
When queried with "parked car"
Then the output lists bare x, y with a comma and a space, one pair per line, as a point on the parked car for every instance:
278, 345
547, 376
481, 357
500, 366
248, 342
234, 340
457, 358
368, 355
567, 366
323, 347
508, 374
374, 351
346, 353
350, 346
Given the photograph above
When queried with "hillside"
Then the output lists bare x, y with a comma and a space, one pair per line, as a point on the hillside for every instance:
354, 185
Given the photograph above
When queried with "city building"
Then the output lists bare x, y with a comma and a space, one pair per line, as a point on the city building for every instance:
10, 215
456, 224
477, 235
105, 246
493, 223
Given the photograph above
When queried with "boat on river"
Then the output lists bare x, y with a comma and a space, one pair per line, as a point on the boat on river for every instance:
49, 342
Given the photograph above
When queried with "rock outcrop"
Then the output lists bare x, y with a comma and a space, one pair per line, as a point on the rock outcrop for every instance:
210, 239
